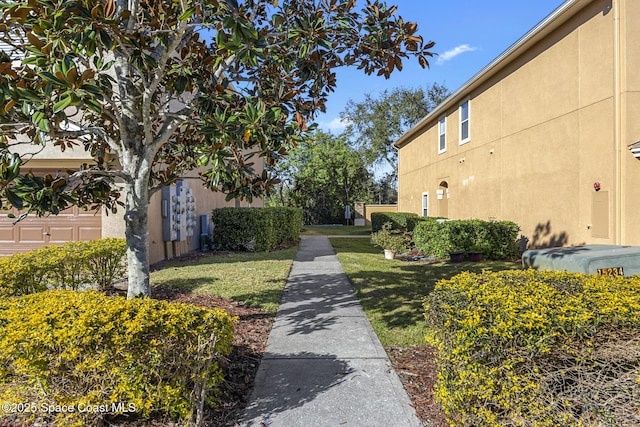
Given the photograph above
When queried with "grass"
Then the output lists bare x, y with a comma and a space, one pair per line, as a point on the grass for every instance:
392, 291
255, 279
335, 230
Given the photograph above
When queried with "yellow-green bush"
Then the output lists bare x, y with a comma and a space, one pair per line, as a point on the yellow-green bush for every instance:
22, 274
527, 348
77, 350
95, 262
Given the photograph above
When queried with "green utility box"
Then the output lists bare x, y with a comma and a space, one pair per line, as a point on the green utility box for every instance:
590, 259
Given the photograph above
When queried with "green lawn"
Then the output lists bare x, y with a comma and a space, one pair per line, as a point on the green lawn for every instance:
255, 279
335, 230
392, 292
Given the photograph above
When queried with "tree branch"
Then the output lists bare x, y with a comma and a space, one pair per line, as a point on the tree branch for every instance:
95, 131
99, 172
168, 128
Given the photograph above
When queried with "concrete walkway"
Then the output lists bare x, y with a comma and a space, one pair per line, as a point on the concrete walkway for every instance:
324, 365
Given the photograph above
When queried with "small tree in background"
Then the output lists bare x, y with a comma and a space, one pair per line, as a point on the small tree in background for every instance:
322, 175
135, 84
377, 122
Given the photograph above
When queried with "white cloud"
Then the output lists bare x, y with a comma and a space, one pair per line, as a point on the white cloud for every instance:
336, 125
450, 54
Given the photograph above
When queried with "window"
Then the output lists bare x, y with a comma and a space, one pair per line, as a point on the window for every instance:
464, 122
442, 135
425, 204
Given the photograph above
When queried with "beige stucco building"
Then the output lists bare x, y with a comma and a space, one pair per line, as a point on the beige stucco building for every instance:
543, 136
75, 224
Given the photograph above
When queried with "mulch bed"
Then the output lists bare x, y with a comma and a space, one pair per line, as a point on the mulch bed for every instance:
416, 368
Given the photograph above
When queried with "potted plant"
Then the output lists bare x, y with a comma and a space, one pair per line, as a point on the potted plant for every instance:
476, 251
456, 255
392, 241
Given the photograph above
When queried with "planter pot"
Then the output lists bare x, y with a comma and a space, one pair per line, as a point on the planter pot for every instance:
389, 254
457, 256
475, 256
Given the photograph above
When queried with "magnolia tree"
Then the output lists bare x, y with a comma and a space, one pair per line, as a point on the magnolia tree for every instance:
154, 88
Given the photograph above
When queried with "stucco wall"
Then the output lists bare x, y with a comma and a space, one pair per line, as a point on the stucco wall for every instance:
543, 131
369, 209
206, 201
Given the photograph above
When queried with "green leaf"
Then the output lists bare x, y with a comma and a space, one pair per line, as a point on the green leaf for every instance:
13, 199
47, 76
93, 105
62, 104
181, 83
187, 14
43, 125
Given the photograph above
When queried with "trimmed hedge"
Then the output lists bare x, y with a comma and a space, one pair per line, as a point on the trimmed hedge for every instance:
496, 239
73, 350
400, 221
94, 262
522, 348
256, 229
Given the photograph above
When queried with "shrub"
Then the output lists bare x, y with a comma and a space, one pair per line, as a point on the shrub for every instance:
438, 239
390, 239
67, 266
256, 229
400, 221
537, 348
82, 349
106, 258
433, 239
98, 262
22, 274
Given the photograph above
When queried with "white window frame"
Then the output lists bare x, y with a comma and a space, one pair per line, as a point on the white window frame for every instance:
442, 134
425, 206
468, 121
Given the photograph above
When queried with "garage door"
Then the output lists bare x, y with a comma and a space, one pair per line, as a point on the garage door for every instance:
32, 232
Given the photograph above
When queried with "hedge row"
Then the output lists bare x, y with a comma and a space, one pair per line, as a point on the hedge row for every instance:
68, 352
95, 262
524, 348
400, 221
496, 239
255, 229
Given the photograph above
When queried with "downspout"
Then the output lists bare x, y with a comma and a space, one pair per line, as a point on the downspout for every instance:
619, 239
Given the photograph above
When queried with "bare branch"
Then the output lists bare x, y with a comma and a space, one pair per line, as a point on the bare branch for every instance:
168, 128
223, 67
93, 131
98, 172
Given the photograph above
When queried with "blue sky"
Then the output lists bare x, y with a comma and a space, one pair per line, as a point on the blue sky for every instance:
469, 34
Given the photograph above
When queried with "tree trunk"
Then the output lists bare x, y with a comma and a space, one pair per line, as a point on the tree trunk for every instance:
137, 235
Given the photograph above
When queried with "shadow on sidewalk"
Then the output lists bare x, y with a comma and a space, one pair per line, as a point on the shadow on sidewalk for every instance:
314, 302
294, 380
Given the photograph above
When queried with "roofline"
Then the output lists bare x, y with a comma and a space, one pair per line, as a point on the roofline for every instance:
558, 17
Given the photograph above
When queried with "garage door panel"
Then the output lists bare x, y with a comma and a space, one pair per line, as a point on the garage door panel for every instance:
7, 234
61, 234
89, 233
32, 233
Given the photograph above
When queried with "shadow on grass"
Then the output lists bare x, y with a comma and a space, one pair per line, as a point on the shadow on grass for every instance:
394, 291
349, 230
220, 257
260, 298
184, 286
